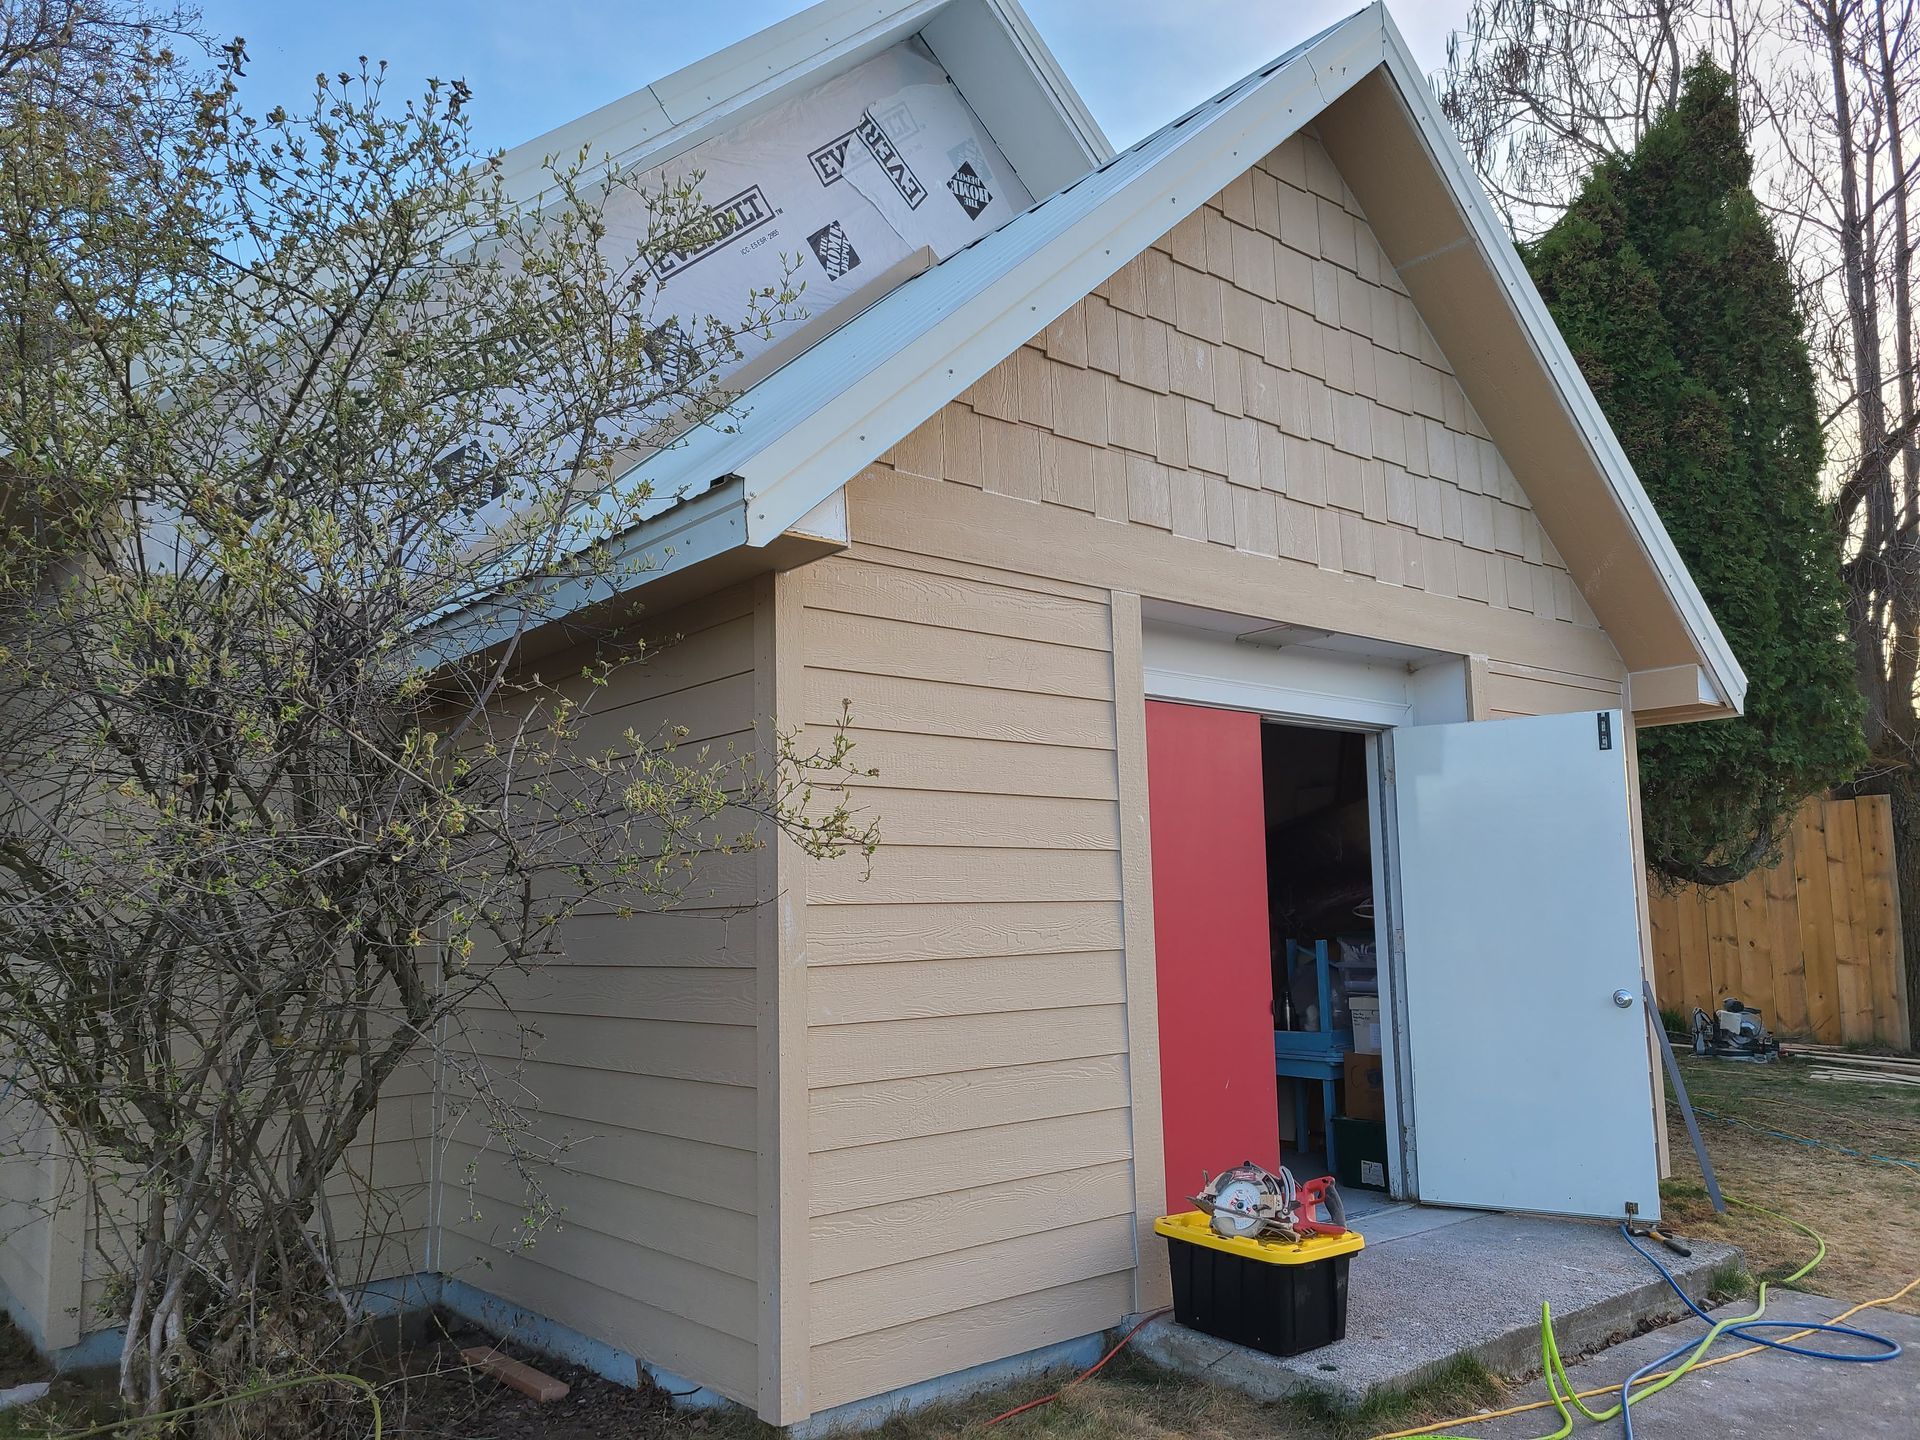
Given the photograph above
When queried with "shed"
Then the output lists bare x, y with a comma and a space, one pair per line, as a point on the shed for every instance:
1226, 565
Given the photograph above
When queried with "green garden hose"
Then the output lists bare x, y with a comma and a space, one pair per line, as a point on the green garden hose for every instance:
1641, 1385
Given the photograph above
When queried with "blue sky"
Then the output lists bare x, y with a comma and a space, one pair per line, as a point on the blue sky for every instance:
536, 65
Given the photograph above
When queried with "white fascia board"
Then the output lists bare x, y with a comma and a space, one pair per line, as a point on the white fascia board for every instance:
809, 427
1041, 61
826, 521
693, 530
1550, 348
1044, 129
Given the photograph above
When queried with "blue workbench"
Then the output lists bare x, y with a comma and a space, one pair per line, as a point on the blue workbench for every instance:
1303, 1055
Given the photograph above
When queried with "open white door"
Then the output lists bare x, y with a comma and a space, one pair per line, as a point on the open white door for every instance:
1531, 1085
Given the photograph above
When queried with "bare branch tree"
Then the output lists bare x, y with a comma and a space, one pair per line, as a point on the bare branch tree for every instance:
303, 421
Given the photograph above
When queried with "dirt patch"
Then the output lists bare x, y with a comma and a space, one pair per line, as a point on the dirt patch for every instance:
18, 1362
1759, 1122
439, 1398
1128, 1398
1133, 1399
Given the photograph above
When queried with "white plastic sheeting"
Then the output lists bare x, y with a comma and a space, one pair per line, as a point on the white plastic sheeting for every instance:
835, 185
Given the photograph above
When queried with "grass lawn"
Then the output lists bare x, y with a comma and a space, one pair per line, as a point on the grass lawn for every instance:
1869, 1212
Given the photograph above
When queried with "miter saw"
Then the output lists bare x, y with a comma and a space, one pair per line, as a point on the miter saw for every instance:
1251, 1202
1734, 1032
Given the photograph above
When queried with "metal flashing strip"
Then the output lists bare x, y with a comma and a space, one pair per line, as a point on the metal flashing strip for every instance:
681, 535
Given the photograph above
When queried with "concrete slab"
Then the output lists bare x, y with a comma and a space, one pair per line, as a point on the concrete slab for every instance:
1405, 1219
1766, 1394
1470, 1284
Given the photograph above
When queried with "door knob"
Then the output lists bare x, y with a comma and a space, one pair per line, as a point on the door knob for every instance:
1623, 998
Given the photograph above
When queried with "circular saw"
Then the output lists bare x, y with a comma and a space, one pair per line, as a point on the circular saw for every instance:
1251, 1202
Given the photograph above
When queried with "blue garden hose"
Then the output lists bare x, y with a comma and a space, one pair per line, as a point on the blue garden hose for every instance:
1807, 1140
1747, 1330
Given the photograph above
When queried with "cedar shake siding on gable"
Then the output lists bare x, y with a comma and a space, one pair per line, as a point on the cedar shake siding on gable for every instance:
1260, 380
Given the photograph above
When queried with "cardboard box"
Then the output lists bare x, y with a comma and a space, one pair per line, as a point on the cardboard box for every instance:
1366, 1092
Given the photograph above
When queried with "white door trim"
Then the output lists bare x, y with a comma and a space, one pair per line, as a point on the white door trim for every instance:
1306, 684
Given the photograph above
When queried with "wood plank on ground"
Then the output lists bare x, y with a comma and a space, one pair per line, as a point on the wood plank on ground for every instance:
516, 1374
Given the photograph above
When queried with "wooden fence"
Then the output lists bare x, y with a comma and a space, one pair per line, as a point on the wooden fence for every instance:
1813, 943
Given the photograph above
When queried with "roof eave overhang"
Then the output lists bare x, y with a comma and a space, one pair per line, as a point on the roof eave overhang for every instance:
692, 548
678, 539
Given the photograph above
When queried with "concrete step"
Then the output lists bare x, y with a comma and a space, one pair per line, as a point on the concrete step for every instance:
1473, 1286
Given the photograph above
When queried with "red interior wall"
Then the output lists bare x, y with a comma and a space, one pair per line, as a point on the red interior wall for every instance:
1215, 983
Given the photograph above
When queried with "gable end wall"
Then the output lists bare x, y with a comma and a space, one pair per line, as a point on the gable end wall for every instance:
1249, 417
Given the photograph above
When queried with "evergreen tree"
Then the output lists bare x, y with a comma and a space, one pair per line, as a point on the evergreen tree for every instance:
1680, 308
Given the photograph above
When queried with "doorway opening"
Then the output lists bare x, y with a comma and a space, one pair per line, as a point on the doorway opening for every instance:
1317, 808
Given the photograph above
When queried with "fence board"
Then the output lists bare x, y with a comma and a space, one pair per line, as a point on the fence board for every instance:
1884, 963
1699, 954
1789, 977
1816, 921
1814, 942
1845, 893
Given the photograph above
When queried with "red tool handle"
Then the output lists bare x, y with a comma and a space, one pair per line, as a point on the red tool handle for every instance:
1312, 1194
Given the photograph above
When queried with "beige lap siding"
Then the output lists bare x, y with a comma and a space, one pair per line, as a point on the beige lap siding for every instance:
42, 1223
378, 1207
646, 1061
971, 1191
1533, 690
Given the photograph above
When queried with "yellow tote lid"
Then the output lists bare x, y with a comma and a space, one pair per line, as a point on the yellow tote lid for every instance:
1195, 1228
